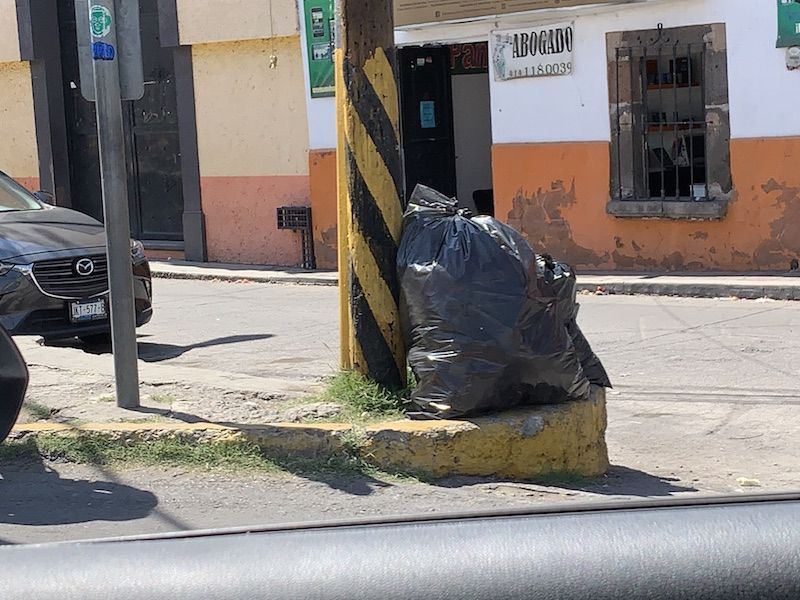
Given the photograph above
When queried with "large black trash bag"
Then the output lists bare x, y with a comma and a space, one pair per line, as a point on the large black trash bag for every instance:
488, 323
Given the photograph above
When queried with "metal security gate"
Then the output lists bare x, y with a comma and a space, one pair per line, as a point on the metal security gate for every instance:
151, 126
665, 155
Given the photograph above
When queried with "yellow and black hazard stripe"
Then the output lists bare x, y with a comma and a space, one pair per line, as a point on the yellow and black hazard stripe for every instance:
374, 181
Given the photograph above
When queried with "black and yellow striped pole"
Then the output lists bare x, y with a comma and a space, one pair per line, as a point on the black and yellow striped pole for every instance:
370, 186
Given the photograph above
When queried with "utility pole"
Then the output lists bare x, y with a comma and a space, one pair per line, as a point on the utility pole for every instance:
108, 50
370, 191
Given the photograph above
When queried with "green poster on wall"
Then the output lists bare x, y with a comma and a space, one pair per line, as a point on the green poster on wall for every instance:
320, 41
788, 23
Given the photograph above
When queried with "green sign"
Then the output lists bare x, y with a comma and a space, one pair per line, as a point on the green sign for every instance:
321, 42
788, 23
100, 20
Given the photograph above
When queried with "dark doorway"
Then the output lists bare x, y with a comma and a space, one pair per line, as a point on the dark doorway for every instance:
155, 188
427, 118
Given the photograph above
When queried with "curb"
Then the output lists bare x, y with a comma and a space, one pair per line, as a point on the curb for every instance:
710, 290
296, 279
622, 288
567, 439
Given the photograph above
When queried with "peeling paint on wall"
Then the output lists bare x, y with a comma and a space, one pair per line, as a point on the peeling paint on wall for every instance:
538, 217
325, 248
784, 244
761, 230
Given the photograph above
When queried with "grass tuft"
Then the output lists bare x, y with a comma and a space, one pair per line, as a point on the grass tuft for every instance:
38, 411
363, 400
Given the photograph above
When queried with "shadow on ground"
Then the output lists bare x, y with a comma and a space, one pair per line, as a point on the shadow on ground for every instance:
155, 352
182, 416
619, 481
33, 494
340, 471
622, 481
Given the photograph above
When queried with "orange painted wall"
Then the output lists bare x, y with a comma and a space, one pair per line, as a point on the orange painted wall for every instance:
556, 194
241, 222
29, 183
322, 174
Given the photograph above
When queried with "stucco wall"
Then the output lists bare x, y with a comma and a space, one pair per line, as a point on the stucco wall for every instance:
253, 146
204, 21
18, 152
9, 32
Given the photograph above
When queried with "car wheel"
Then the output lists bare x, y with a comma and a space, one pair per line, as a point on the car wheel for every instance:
96, 339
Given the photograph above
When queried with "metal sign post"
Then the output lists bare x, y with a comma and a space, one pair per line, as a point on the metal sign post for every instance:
109, 48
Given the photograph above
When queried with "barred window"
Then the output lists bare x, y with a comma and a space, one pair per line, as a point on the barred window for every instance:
669, 115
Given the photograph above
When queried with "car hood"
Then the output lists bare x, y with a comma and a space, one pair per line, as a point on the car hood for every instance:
25, 236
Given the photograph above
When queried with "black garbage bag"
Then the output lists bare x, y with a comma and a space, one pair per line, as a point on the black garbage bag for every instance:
562, 279
489, 324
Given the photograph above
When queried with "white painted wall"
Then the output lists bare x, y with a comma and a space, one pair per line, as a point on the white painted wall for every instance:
763, 93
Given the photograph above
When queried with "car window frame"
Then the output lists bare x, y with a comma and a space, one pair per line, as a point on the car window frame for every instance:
11, 185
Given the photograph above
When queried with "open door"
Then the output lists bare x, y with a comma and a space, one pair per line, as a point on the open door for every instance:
427, 119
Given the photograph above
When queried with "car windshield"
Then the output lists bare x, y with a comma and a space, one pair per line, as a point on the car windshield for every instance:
14, 197
488, 260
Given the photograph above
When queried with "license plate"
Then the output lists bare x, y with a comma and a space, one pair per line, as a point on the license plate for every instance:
87, 310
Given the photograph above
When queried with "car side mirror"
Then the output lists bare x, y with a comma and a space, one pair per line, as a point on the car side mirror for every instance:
45, 197
13, 383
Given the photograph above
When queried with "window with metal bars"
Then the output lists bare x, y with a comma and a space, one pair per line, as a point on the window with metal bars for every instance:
669, 115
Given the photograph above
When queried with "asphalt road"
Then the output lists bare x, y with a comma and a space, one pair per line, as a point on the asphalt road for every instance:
705, 393
648, 344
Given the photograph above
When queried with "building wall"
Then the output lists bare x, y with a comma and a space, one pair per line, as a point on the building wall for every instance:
18, 152
552, 179
551, 145
205, 21
9, 32
253, 146
322, 176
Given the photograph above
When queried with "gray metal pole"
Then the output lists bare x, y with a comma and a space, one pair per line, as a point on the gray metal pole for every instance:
115, 202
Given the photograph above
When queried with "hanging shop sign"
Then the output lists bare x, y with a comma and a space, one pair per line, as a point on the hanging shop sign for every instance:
788, 23
542, 51
320, 42
416, 12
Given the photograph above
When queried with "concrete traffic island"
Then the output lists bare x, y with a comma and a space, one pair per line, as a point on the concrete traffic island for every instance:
536, 442
564, 439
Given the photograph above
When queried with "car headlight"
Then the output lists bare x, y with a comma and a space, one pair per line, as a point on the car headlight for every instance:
137, 252
5, 268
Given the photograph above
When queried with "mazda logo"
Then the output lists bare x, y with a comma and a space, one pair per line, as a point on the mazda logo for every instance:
84, 267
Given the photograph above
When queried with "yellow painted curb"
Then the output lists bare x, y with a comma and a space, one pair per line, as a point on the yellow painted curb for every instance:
565, 439
532, 442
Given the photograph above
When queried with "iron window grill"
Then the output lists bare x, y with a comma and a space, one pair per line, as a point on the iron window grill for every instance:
664, 113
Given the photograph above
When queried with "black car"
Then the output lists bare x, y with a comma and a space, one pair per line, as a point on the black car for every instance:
54, 271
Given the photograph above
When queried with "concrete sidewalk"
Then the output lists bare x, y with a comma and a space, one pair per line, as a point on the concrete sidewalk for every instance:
776, 286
